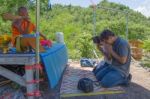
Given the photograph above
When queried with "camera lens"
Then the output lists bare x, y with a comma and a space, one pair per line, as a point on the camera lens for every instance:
96, 40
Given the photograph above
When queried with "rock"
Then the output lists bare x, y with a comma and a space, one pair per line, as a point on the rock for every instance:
6, 92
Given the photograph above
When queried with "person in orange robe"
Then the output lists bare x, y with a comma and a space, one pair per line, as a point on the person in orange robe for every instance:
23, 25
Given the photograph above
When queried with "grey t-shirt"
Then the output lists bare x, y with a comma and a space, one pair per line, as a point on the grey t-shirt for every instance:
122, 48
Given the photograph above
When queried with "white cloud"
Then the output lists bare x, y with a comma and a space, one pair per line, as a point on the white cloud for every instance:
144, 8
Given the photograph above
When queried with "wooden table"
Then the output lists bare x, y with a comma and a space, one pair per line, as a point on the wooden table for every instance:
28, 60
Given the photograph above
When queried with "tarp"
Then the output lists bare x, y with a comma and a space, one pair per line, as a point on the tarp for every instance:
55, 60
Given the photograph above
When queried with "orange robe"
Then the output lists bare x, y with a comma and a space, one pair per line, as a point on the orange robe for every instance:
23, 25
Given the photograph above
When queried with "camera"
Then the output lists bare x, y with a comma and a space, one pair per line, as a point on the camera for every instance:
96, 40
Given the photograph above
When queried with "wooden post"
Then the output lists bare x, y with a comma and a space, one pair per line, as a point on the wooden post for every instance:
30, 88
37, 41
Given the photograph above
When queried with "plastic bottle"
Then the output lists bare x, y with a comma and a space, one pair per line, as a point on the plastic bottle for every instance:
60, 37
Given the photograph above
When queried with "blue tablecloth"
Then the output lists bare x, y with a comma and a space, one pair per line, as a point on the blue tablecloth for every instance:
55, 60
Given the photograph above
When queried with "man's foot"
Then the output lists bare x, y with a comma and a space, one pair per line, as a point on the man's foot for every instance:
128, 81
129, 77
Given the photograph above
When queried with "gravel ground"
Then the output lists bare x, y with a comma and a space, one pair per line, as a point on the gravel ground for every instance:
139, 88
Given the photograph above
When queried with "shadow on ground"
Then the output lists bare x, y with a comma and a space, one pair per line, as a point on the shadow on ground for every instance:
133, 91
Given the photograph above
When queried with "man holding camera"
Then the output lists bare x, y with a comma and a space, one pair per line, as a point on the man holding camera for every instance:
116, 72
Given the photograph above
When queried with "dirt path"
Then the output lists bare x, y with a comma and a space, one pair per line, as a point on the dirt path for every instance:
140, 75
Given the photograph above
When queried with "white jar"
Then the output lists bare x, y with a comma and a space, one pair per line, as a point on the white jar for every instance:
60, 37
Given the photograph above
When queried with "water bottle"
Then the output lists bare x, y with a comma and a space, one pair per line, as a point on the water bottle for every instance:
60, 37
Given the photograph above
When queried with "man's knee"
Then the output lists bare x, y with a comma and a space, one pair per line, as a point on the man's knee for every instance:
105, 84
101, 73
111, 79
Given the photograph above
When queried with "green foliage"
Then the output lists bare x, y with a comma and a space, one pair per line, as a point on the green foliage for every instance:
84, 45
146, 61
77, 23
146, 45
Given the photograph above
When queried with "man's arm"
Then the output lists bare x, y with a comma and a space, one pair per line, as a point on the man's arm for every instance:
123, 53
9, 16
106, 52
100, 48
43, 36
121, 59
107, 55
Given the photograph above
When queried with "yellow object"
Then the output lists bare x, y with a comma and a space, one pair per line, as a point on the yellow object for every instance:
5, 38
92, 94
4, 42
41, 38
1, 40
18, 45
5, 50
136, 43
136, 49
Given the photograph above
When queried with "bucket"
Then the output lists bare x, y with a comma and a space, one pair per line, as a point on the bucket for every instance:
60, 37
136, 53
136, 48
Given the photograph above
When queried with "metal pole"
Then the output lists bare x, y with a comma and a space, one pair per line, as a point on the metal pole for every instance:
127, 17
94, 28
126, 13
94, 17
37, 39
111, 9
94, 20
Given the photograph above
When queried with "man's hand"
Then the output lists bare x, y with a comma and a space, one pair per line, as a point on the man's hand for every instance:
107, 51
25, 17
11, 17
109, 48
99, 47
121, 59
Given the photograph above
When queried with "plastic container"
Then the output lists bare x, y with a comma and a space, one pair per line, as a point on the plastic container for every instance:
60, 37
137, 53
136, 48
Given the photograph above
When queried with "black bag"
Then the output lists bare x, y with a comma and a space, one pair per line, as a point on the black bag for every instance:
86, 85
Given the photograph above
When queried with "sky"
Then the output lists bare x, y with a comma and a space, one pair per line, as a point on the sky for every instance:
142, 6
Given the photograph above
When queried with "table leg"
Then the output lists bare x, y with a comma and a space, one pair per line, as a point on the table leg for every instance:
30, 77
12, 76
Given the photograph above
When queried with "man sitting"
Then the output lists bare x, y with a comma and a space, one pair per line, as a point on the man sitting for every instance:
22, 25
116, 73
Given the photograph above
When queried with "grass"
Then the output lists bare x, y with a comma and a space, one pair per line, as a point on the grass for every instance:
146, 61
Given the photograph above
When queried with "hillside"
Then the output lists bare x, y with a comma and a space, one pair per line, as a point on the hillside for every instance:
77, 22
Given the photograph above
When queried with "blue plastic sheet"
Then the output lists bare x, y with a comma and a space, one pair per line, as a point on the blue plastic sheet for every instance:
55, 60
